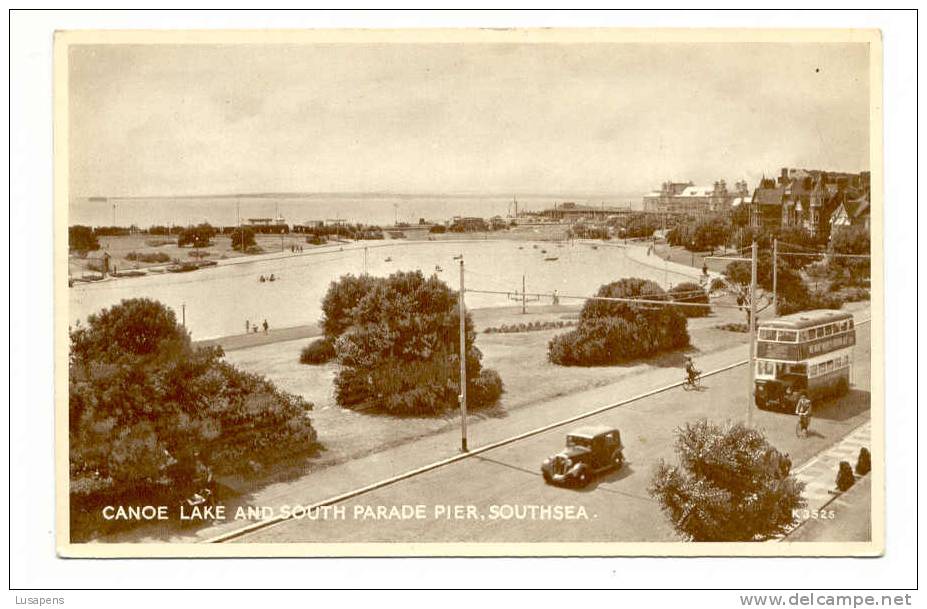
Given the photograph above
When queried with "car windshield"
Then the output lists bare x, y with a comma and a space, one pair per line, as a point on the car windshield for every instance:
578, 441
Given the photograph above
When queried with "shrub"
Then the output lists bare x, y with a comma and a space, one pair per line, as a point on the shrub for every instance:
718, 285
197, 236
854, 294
438, 229
612, 332
148, 258
199, 254
396, 339
82, 239
733, 327
243, 239
863, 462
730, 484
692, 293
487, 388
149, 412
316, 240
159, 242
319, 351
845, 478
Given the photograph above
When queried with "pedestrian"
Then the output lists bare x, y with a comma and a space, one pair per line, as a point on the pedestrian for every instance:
266, 326
704, 268
555, 298
247, 326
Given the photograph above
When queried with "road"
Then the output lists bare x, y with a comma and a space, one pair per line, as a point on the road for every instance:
614, 508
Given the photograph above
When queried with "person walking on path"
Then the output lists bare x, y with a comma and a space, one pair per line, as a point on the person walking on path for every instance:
247, 326
266, 326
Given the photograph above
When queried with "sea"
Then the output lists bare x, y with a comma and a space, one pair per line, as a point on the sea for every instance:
380, 209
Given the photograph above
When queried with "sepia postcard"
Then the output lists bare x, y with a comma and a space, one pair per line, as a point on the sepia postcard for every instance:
560, 292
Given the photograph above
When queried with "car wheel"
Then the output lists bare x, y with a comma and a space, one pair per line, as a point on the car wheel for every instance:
582, 478
618, 459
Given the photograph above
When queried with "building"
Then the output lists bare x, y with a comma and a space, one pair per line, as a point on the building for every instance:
685, 198
851, 212
801, 198
573, 212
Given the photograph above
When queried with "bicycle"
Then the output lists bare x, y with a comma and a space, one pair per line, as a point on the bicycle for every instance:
693, 383
802, 426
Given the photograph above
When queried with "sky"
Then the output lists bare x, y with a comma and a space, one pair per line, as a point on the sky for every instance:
170, 120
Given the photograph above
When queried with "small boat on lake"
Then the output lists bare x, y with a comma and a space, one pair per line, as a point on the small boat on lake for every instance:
551, 258
438, 268
387, 259
458, 257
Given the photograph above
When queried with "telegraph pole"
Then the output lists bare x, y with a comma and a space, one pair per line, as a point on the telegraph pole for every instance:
524, 296
365, 260
462, 309
775, 270
751, 363
183, 314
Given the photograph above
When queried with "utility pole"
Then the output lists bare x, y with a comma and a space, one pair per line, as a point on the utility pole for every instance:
524, 297
775, 271
365, 260
114, 214
462, 309
751, 363
183, 314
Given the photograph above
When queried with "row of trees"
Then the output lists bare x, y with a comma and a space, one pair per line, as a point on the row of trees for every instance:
396, 342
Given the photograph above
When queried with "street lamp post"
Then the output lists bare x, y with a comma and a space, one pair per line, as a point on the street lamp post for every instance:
462, 310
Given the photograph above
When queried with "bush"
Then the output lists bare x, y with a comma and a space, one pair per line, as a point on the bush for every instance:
316, 240
730, 485
243, 239
863, 462
148, 258
691, 293
319, 351
613, 332
854, 294
82, 239
396, 339
197, 236
487, 388
149, 413
845, 477
734, 327
438, 229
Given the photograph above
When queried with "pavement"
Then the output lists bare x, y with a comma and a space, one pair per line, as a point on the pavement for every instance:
820, 473
847, 518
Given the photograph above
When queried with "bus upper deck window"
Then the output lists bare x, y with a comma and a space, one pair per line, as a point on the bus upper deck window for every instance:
828, 329
787, 336
767, 334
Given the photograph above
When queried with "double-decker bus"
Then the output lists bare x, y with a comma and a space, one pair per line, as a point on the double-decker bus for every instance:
809, 352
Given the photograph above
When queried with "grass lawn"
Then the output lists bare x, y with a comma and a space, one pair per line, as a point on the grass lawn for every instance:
521, 360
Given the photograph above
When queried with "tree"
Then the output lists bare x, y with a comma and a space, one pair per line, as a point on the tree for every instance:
611, 332
243, 239
730, 485
149, 412
82, 239
396, 340
197, 236
853, 240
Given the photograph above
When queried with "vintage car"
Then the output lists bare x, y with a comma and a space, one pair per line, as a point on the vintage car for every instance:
589, 451
778, 394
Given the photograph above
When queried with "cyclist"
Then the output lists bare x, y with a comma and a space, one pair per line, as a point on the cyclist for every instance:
691, 372
803, 410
